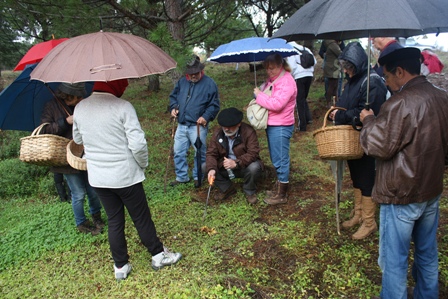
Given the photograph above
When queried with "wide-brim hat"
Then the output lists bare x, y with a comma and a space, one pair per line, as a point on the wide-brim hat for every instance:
75, 89
230, 117
195, 66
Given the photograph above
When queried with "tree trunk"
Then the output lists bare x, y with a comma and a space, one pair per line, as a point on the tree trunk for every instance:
175, 22
153, 83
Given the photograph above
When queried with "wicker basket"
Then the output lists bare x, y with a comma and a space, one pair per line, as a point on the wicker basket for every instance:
45, 149
338, 142
74, 154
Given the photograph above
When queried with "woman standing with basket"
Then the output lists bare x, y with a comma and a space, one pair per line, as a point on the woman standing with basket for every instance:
354, 62
58, 113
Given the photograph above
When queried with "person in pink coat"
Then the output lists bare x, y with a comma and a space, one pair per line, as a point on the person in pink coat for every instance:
278, 95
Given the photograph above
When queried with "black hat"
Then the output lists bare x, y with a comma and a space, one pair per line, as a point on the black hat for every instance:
390, 48
75, 89
195, 66
399, 55
230, 117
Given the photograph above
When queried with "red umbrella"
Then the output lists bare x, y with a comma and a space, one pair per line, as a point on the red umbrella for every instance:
37, 53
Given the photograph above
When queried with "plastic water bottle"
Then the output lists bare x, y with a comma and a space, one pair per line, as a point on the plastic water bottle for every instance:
230, 173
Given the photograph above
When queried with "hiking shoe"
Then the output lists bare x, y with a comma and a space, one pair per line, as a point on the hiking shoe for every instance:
88, 227
122, 272
196, 184
224, 195
165, 258
176, 182
252, 198
98, 221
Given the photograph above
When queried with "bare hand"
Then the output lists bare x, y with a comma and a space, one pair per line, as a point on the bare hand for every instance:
211, 176
202, 121
256, 91
229, 163
333, 114
174, 112
69, 120
365, 113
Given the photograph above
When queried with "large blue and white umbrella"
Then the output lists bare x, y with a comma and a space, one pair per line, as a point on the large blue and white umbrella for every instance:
252, 49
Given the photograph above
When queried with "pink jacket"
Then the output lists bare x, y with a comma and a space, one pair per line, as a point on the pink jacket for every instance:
282, 102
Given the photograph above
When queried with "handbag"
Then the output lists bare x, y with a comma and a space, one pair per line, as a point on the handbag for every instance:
257, 115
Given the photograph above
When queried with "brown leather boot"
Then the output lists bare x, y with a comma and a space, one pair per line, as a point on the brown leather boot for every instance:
368, 225
281, 196
274, 190
356, 212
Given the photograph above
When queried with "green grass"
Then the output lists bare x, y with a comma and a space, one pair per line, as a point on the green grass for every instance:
238, 251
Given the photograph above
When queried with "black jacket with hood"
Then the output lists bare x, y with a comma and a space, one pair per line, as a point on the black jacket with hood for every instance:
354, 95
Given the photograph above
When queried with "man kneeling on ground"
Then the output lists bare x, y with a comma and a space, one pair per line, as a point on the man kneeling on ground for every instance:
234, 151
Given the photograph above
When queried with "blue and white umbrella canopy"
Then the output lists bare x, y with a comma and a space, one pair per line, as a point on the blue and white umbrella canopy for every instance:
251, 49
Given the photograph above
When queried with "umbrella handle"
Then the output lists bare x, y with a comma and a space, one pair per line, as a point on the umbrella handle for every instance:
355, 119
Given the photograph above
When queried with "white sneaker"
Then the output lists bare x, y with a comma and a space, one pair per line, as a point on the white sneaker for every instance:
122, 273
165, 258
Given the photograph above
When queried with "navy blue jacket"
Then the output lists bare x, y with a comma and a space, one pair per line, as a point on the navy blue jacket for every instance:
195, 100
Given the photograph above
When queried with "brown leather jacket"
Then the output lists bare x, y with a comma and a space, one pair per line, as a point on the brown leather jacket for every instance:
409, 138
246, 148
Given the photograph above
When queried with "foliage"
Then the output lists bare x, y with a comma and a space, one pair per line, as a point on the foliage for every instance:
19, 179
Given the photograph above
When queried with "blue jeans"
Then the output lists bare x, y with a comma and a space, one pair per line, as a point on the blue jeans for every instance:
278, 144
79, 186
184, 138
399, 224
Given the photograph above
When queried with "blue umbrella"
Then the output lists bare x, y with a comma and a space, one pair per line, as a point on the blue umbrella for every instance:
251, 49
22, 102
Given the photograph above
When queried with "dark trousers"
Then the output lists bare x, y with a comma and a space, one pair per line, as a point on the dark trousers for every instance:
251, 174
303, 110
332, 90
134, 199
362, 173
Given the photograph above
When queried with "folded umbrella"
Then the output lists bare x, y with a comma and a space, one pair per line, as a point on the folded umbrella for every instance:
198, 145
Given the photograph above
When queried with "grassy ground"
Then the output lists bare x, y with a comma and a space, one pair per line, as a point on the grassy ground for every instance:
238, 251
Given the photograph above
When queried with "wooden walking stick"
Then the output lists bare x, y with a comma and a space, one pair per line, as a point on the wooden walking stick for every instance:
170, 152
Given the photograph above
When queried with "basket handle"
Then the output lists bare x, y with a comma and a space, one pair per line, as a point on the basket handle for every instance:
38, 129
328, 113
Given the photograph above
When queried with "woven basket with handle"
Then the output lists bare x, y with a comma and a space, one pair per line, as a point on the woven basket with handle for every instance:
45, 149
337, 142
74, 156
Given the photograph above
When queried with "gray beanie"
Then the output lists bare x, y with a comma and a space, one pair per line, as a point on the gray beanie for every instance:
75, 89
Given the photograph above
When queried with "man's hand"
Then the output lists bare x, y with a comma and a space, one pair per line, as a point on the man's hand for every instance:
211, 176
174, 112
202, 121
69, 120
229, 163
365, 113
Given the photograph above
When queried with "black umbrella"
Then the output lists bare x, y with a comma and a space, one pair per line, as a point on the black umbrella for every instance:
198, 145
348, 19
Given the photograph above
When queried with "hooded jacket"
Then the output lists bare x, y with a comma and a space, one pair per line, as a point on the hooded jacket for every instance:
409, 138
354, 95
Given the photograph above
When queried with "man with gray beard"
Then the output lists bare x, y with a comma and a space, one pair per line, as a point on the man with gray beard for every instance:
234, 151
